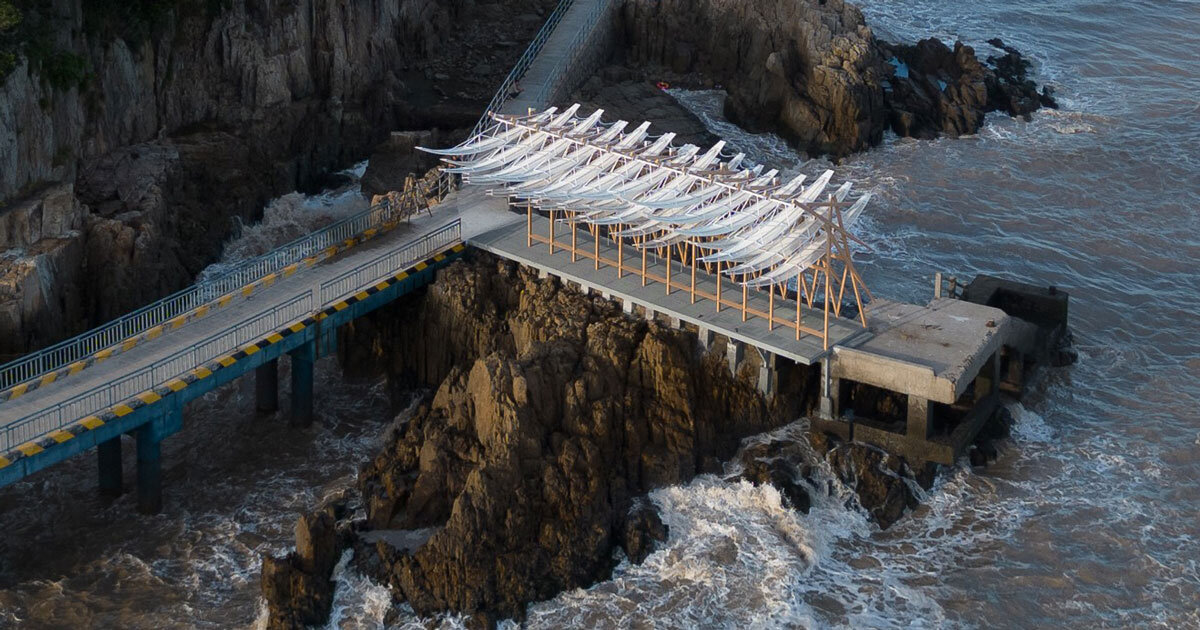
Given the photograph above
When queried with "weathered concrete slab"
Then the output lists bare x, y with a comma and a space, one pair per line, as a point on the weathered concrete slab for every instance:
931, 351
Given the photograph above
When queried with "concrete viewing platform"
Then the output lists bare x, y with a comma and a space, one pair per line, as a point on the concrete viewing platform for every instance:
934, 370
946, 362
931, 351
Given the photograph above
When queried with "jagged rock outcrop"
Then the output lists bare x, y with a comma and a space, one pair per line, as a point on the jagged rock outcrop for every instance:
179, 133
780, 463
39, 272
642, 532
880, 480
554, 412
298, 587
812, 71
883, 484
935, 89
807, 69
626, 94
396, 158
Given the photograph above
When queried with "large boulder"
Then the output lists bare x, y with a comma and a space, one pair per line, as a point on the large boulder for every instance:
880, 480
396, 158
779, 463
625, 94
643, 530
813, 72
298, 587
806, 69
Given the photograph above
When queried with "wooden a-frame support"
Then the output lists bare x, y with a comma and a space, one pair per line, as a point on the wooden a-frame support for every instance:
833, 287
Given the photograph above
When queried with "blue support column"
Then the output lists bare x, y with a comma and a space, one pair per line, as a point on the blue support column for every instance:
266, 387
326, 340
302, 384
109, 455
149, 469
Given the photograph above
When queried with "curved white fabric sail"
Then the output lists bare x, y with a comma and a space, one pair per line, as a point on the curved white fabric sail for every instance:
653, 194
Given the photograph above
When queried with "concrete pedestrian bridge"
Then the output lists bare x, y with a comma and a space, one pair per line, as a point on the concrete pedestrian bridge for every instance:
136, 374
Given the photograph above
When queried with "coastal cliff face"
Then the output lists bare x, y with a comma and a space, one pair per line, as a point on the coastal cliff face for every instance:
556, 411
553, 413
807, 69
813, 72
120, 188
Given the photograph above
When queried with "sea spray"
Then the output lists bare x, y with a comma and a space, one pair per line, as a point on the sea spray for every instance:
288, 218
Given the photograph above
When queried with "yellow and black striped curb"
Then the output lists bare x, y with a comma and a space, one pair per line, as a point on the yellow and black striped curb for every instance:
200, 311
174, 385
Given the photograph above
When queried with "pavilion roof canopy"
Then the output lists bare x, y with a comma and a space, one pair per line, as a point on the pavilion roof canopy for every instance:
763, 231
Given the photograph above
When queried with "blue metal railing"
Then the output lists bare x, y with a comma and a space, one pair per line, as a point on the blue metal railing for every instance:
227, 340
67, 352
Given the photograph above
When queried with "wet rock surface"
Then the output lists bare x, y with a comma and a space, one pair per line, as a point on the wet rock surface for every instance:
880, 480
643, 530
782, 464
807, 70
938, 90
634, 95
813, 72
553, 414
298, 587
529, 457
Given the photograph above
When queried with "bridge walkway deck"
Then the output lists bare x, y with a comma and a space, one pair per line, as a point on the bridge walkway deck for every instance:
474, 215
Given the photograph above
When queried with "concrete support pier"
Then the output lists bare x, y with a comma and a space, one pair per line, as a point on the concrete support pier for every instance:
920, 418
988, 378
302, 384
266, 387
108, 453
734, 351
767, 373
830, 392
149, 469
1013, 373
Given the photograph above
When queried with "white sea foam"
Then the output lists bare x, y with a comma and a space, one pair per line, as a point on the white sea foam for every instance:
290, 217
736, 557
1029, 426
358, 603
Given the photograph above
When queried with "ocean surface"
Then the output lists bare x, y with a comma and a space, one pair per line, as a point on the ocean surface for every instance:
1089, 519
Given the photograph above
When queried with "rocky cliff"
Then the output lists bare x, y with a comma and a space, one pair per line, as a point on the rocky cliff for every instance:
118, 188
552, 414
812, 71
807, 69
